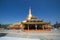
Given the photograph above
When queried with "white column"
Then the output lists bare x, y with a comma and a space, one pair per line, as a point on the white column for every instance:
36, 26
28, 26
43, 27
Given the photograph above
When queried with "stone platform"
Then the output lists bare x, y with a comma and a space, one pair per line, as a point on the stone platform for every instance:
36, 30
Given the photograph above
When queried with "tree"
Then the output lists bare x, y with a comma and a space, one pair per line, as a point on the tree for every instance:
57, 25
0, 25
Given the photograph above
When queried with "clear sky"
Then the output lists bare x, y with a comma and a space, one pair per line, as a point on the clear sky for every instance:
12, 11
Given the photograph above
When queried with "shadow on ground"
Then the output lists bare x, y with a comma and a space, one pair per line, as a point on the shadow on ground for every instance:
3, 34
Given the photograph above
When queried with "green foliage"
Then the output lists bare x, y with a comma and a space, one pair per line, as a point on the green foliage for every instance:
4, 26
57, 25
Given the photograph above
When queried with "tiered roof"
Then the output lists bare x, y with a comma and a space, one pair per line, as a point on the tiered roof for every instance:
33, 20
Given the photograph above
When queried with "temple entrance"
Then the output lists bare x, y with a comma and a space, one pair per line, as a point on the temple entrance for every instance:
33, 27
29, 26
26, 27
39, 27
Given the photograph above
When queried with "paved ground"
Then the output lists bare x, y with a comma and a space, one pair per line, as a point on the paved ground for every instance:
16, 38
53, 35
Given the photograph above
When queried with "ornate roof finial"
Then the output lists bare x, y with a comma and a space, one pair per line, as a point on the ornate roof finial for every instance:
30, 13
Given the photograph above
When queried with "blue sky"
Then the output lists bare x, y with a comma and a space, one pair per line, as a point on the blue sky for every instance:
12, 11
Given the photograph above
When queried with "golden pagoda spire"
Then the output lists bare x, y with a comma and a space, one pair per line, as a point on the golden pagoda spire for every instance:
29, 14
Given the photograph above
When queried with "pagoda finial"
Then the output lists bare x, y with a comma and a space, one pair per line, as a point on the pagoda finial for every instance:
30, 14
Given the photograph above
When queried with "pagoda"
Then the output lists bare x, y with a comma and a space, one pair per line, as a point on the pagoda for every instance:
33, 23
